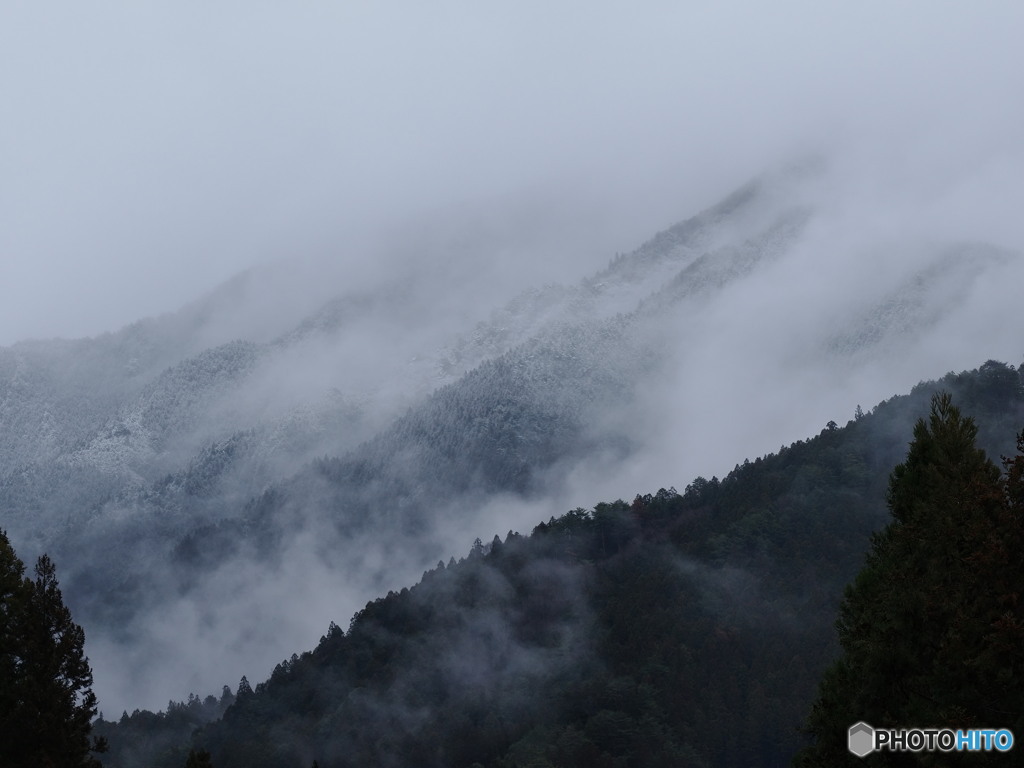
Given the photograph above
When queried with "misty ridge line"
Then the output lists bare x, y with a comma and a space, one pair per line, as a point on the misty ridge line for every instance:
230, 367
708, 272
573, 384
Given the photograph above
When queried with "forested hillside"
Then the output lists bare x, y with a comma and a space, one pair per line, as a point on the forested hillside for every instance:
679, 628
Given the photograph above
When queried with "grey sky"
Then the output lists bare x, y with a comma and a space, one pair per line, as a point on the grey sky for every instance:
150, 150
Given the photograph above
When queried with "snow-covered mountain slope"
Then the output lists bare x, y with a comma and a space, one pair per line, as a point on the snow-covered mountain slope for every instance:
144, 402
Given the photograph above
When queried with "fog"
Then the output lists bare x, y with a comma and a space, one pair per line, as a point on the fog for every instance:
243, 165
150, 152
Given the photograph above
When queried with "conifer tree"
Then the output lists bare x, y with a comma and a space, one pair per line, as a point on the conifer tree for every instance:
46, 699
931, 629
12, 607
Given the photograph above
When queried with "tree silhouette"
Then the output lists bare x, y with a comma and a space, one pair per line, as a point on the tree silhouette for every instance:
46, 699
931, 629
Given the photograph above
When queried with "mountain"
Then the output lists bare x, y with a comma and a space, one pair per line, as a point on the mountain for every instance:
676, 629
190, 470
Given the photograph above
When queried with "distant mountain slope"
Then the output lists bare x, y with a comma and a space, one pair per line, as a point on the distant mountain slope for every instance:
743, 219
104, 404
921, 301
509, 426
513, 419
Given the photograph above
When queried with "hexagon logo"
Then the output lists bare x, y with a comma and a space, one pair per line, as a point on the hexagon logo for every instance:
860, 739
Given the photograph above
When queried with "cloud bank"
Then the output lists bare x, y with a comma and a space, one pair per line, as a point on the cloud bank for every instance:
152, 151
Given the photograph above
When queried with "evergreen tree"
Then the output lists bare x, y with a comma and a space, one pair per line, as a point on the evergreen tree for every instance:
244, 689
47, 704
12, 608
931, 629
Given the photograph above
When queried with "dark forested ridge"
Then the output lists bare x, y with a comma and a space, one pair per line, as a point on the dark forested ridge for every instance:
677, 629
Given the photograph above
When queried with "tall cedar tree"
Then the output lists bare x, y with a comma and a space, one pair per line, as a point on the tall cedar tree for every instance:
46, 699
932, 629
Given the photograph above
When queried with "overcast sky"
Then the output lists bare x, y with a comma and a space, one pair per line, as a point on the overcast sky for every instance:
149, 150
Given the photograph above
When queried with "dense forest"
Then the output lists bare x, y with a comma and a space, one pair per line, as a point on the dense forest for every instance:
687, 628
